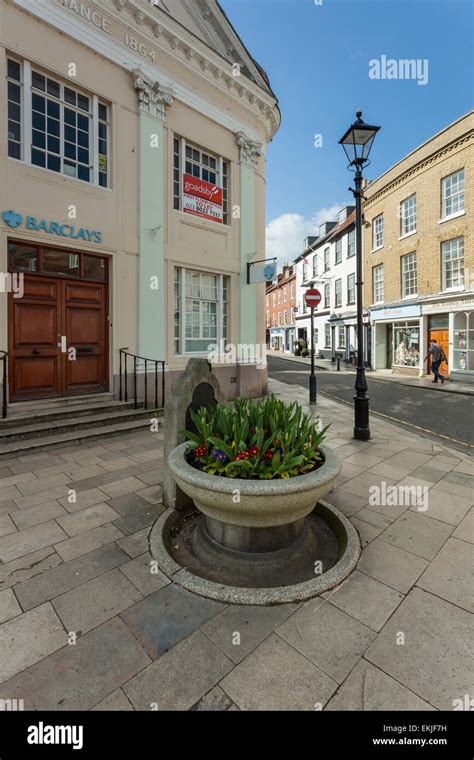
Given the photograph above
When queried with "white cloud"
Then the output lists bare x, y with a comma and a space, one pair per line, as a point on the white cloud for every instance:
286, 233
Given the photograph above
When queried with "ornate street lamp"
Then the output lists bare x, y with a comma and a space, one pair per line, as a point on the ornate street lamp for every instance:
357, 143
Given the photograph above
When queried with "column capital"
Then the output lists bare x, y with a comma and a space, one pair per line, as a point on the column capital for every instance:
153, 98
249, 149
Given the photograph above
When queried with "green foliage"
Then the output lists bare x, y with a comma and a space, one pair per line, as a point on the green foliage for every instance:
250, 439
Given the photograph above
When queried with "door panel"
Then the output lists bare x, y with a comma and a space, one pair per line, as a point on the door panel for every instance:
84, 325
34, 323
442, 338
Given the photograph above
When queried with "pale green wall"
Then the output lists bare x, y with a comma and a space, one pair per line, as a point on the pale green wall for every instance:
248, 246
151, 303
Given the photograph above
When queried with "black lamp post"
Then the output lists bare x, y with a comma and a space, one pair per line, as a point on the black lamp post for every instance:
357, 143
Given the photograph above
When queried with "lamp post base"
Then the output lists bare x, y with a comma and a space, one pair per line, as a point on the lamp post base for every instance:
361, 418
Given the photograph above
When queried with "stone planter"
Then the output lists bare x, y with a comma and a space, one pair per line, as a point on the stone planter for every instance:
254, 516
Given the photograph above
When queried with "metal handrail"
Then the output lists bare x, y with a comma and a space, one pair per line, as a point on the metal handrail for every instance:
4, 360
123, 370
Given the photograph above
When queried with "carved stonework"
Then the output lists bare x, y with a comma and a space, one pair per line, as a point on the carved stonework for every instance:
249, 149
152, 97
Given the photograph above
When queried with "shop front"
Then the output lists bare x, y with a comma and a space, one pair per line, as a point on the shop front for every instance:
277, 339
396, 339
451, 323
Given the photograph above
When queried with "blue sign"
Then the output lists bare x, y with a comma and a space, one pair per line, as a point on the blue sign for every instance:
13, 219
269, 271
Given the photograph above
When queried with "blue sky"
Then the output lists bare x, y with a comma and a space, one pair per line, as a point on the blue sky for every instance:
317, 58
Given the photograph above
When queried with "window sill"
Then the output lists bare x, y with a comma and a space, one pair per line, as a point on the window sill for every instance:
379, 248
59, 175
457, 289
194, 217
408, 234
452, 216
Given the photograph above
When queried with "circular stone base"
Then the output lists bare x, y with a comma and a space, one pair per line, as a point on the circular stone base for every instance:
187, 555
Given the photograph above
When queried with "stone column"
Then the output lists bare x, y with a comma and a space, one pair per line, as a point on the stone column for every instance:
153, 100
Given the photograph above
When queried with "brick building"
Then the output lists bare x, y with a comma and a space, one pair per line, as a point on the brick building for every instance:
280, 310
419, 255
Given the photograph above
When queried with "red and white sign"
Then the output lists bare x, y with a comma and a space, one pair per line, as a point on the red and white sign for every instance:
312, 297
202, 198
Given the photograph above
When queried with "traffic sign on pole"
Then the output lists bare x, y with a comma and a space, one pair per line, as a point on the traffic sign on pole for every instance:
312, 297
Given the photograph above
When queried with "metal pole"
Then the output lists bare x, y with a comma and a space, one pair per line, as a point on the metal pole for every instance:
312, 376
361, 401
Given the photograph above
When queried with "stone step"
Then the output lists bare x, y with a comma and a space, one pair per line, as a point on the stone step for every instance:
38, 405
34, 445
28, 430
32, 417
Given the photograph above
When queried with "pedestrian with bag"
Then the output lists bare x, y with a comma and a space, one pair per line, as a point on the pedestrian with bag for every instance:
437, 357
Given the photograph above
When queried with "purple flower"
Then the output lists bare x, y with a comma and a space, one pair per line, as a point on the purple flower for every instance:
219, 455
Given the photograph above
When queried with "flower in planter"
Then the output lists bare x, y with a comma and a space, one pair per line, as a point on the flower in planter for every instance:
255, 439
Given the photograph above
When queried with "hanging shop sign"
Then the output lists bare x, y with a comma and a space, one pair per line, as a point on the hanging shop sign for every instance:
201, 198
14, 220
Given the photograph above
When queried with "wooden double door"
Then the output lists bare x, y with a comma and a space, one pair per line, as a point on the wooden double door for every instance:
57, 338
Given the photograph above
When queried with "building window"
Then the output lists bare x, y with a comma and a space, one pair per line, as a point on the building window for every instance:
406, 345
377, 284
201, 310
274, 298
285, 295
408, 215
338, 293
70, 129
327, 335
463, 353
377, 232
279, 297
305, 270
342, 336
315, 266
315, 337
292, 291
351, 244
338, 258
304, 307
327, 262
280, 318
205, 166
14, 108
327, 296
452, 194
452, 254
274, 320
409, 285
351, 288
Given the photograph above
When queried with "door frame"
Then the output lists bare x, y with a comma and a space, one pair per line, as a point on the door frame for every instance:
41, 246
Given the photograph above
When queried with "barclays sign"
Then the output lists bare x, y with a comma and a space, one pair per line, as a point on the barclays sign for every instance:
14, 220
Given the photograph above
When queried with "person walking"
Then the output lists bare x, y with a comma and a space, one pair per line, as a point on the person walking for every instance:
437, 356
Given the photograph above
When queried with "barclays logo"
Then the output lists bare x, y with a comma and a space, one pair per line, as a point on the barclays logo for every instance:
12, 219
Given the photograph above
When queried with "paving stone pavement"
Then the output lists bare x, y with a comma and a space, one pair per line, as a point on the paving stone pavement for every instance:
85, 624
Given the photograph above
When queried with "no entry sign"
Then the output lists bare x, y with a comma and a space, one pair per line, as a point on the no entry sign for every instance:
312, 297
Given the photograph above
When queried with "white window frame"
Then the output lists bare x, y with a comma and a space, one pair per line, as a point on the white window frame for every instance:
377, 232
341, 337
337, 292
378, 283
327, 335
222, 171
351, 288
26, 127
456, 197
285, 294
409, 275
327, 259
221, 334
351, 243
327, 296
456, 261
338, 251
408, 216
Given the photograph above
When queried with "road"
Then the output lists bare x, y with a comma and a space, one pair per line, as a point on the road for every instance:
447, 417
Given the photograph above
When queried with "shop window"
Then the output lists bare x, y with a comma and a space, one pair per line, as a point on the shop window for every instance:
61, 262
351, 288
207, 167
452, 194
452, 255
338, 256
338, 293
351, 244
378, 284
70, 130
327, 335
94, 268
377, 232
409, 275
463, 344
408, 215
201, 310
406, 345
